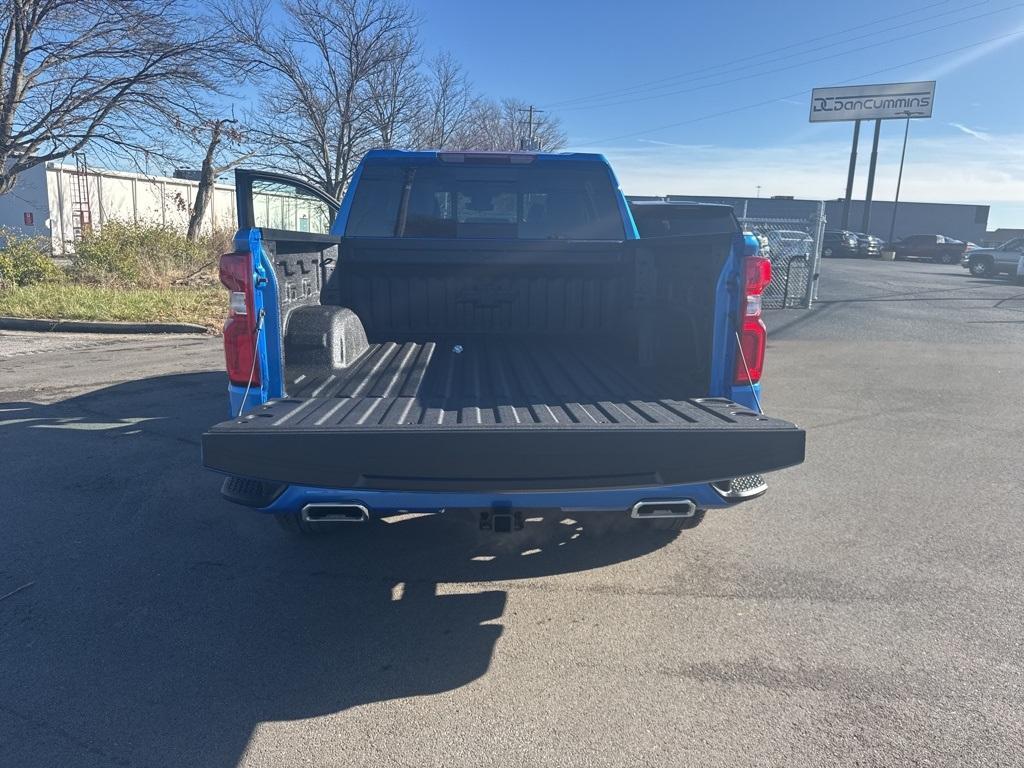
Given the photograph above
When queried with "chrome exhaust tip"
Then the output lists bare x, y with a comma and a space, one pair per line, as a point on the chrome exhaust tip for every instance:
335, 513
643, 510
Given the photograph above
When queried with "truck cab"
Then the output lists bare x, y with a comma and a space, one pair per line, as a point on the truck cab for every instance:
487, 331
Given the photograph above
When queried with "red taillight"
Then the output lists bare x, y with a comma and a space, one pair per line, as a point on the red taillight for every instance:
753, 339
757, 273
240, 326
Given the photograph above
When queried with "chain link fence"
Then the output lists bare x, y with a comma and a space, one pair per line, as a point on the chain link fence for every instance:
794, 248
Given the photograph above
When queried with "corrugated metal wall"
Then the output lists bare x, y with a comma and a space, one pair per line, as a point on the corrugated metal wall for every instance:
130, 197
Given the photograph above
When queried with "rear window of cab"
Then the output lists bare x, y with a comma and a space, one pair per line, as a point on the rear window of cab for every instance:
536, 201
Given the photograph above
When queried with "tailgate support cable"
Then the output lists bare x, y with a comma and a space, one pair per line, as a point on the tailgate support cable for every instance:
743, 357
255, 357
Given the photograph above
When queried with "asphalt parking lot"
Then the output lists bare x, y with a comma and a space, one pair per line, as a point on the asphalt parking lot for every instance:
868, 610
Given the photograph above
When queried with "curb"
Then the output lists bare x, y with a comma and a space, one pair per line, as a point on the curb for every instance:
96, 326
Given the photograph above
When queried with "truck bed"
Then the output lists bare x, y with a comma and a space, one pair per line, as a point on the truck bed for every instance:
498, 414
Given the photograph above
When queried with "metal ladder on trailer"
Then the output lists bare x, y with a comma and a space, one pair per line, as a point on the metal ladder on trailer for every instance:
81, 211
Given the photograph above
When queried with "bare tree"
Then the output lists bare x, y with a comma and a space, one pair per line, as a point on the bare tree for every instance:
79, 72
448, 103
503, 126
314, 61
223, 138
394, 95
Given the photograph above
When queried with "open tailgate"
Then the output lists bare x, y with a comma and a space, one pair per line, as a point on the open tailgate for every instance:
391, 439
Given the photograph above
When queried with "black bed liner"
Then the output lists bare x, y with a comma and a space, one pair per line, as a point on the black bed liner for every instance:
484, 415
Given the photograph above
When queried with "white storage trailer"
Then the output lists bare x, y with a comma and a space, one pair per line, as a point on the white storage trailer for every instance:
46, 201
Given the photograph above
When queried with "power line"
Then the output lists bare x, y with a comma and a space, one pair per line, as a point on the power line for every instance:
817, 60
726, 69
627, 89
806, 91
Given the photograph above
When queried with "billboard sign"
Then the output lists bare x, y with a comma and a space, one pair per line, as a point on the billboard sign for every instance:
872, 102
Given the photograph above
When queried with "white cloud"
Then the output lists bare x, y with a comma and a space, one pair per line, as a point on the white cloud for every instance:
978, 134
947, 169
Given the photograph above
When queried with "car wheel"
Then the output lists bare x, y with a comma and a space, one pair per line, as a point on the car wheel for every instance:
826, 252
946, 258
981, 267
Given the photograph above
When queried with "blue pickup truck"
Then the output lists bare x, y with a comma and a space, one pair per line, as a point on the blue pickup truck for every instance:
495, 332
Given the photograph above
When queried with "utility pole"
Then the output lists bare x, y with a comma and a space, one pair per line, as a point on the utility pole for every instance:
527, 143
899, 180
866, 221
849, 176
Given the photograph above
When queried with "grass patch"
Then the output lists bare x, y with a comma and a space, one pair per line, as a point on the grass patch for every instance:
60, 301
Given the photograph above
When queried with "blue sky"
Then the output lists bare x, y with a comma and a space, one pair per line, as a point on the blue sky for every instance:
645, 83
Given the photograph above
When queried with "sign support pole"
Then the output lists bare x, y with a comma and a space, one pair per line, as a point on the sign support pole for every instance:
850, 174
866, 221
899, 181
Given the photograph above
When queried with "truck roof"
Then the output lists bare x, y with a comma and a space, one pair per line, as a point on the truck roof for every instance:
434, 155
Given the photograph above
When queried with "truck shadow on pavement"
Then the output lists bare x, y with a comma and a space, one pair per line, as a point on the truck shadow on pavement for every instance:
160, 625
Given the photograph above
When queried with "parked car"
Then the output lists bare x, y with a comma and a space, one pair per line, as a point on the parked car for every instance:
869, 246
1002, 260
788, 244
839, 242
937, 248
488, 332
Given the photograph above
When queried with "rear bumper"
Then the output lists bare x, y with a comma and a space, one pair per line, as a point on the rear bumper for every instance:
295, 497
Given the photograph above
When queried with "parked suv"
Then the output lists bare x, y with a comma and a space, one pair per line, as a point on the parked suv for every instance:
839, 242
937, 248
1003, 259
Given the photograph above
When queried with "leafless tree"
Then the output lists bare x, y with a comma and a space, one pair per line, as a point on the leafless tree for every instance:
314, 64
503, 126
224, 139
80, 72
447, 104
394, 95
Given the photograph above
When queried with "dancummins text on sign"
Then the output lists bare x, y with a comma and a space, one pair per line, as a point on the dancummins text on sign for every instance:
872, 102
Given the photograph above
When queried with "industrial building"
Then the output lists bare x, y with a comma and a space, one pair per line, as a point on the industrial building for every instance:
964, 222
